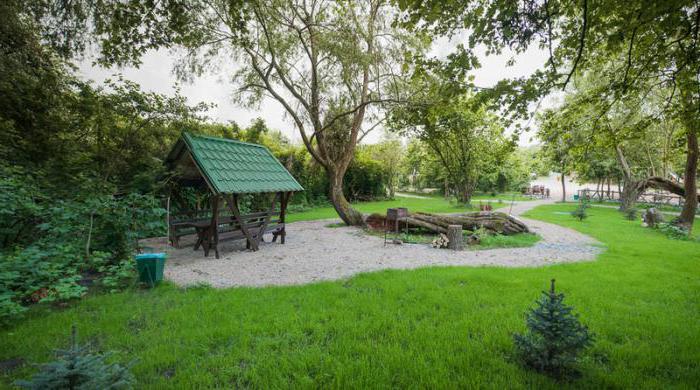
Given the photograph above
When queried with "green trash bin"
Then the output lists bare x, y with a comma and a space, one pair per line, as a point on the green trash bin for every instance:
150, 267
575, 196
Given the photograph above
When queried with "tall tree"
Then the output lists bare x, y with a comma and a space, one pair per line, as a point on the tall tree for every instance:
331, 65
659, 41
459, 130
557, 144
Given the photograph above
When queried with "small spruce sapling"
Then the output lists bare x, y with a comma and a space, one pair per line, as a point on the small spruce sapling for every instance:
555, 337
631, 214
580, 212
78, 368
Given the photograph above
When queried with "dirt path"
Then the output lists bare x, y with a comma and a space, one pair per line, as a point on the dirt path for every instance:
315, 252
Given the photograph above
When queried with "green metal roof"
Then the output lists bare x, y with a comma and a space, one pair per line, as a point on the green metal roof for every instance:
234, 167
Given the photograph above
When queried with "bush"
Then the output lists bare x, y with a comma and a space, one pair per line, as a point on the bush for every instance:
78, 368
580, 212
555, 337
631, 214
119, 276
94, 236
673, 231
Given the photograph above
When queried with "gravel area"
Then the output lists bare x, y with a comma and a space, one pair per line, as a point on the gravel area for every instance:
315, 252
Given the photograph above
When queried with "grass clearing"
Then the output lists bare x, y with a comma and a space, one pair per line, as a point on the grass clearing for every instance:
488, 241
430, 204
491, 241
442, 327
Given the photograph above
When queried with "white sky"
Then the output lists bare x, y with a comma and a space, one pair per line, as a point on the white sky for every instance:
155, 74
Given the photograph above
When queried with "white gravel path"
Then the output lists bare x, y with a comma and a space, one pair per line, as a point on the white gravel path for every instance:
315, 252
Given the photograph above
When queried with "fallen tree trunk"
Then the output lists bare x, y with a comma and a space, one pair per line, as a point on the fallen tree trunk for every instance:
660, 183
492, 221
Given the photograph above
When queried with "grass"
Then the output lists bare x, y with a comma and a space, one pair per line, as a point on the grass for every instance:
504, 197
641, 206
482, 196
430, 204
488, 241
492, 241
446, 327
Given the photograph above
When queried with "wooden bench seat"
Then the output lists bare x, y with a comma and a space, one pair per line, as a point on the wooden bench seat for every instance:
226, 223
228, 228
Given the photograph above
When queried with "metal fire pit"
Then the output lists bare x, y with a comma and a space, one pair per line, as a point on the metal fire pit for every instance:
393, 217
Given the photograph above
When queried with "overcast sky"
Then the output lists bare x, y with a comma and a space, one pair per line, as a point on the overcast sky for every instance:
155, 74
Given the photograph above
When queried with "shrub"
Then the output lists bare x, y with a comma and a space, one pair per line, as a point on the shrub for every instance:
673, 231
9, 309
94, 236
631, 214
78, 368
555, 337
119, 276
580, 212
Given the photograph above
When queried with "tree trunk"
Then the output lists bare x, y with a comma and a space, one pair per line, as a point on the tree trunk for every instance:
629, 195
687, 216
465, 193
563, 184
345, 211
493, 221
630, 187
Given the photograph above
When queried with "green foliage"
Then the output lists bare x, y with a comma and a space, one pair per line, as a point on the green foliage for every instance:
460, 133
9, 308
78, 368
65, 239
631, 214
672, 230
20, 208
555, 337
580, 213
118, 276
366, 178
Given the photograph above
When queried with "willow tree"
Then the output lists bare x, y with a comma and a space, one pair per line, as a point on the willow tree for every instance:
331, 65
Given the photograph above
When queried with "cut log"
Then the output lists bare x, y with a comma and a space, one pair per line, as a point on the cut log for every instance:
491, 221
454, 235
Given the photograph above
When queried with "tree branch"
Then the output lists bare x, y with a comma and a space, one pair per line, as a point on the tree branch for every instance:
582, 43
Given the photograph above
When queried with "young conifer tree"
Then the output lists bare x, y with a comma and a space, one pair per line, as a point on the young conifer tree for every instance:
78, 368
555, 336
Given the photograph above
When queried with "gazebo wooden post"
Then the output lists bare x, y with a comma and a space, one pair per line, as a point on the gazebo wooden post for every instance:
283, 212
266, 221
216, 225
213, 233
233, 204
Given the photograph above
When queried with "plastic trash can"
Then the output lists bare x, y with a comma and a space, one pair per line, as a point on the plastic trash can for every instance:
150, 267
575, 196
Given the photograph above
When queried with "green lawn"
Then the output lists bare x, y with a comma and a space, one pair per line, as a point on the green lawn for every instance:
430, 204
505, 197
446, 327
502, 241
641, 206
488, 241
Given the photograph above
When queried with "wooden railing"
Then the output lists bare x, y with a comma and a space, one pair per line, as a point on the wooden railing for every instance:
656, 198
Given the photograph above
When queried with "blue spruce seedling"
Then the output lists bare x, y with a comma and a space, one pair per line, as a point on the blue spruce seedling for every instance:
555, 337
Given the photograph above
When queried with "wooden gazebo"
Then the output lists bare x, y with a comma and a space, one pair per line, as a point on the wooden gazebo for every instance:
229, 169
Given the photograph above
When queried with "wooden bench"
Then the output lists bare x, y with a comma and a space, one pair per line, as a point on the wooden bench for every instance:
228, 228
